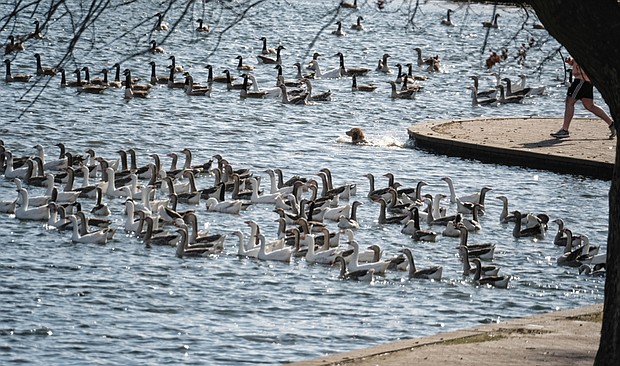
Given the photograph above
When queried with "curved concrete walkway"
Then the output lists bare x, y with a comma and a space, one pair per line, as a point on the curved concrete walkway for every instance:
561, 338
523, 141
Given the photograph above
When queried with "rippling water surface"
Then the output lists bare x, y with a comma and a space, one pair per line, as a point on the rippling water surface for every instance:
71, 303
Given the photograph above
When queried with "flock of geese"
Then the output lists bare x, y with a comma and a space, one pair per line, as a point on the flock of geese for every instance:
317, 219
298, 90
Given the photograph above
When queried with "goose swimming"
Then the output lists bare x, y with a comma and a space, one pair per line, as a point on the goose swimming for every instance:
495, 281
431, 273
267, 50
447, 21
47, 71
95, 237
366, 275
25, 212
358, 26
23, 78
492, 24
339, 32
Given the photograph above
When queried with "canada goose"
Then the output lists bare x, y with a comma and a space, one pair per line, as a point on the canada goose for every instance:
268, 60
160, 25
492, 24
218, 78
358, 26
413, 86
301, 75
36, 34
414, 77
192, 89
229, 84
351, 71
174, 84
280, 79
243, 67
24, 78
383, 66
49, 71
447, 20
339, 32
155, 48
157, 79
523, 90
85, 87
129, 92
315, 57
202, 27
299, 100
13, 46
401, 94
245, 93
317, 97
173, 64
349, 5
361, 87
267, 50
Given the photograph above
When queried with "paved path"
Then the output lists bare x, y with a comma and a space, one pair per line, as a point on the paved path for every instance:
560, 338
523, 141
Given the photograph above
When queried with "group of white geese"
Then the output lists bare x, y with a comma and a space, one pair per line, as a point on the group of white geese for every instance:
312, 212
298, 90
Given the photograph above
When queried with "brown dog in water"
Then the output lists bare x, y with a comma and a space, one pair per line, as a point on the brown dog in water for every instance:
357, 136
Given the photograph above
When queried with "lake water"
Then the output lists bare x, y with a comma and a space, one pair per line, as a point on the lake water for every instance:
66, 303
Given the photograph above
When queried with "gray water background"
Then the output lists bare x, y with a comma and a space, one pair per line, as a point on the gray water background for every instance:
73, 304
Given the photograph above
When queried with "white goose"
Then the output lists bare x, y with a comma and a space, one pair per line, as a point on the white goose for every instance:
379, 267
331, 74
24, 212
95, 237
8, 206
55, 165
131, 222
281, 255
324, 256
274, 92
61, 197
111, 189
264, 198
57, 218
34, 201
243, 251
10, 172
231, 207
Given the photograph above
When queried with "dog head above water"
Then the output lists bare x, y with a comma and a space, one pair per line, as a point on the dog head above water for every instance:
357, 135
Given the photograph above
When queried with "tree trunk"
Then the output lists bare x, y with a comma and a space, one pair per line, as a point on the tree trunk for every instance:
590, 30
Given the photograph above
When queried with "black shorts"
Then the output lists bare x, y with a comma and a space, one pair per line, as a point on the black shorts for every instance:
580, 89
